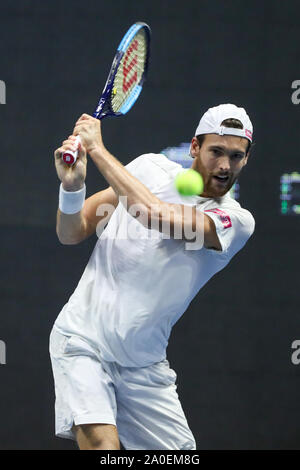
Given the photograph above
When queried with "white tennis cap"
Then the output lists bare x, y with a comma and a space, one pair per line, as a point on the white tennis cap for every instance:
210, 123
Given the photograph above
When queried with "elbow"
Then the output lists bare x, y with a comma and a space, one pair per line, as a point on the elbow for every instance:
67, 241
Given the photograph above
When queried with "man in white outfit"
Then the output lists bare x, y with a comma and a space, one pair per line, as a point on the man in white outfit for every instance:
108, 345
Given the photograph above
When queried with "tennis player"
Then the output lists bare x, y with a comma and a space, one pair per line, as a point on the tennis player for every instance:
114, 385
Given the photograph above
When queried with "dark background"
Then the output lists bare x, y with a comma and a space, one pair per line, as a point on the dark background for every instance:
232, 348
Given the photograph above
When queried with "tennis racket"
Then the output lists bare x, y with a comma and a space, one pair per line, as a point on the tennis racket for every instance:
125, 80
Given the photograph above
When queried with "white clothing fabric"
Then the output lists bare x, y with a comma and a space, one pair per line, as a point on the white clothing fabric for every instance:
141, 402
135, 288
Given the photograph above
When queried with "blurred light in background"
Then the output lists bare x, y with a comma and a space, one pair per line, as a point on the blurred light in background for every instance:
290, 193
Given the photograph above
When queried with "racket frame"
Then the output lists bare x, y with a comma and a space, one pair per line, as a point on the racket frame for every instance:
133, 96
69, 156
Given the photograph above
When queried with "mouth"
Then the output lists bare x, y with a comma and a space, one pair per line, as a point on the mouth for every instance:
223, 180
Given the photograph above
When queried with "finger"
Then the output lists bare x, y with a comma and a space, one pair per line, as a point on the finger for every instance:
58, 152
68, 142
75, 130
85, 116
81, 151
69, 145
78, 128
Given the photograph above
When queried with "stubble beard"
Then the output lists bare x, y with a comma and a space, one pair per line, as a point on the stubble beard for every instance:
210, 186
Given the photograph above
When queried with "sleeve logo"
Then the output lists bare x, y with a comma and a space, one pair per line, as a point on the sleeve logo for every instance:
225, 219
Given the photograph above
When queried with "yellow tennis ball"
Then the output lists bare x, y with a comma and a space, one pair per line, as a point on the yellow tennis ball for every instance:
189, 183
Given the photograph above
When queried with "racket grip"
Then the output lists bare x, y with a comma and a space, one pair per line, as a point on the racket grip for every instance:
70, 157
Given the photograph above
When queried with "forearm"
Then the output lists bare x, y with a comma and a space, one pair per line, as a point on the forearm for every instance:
123, 182
70, 228
70, 221
173, 219
177, 220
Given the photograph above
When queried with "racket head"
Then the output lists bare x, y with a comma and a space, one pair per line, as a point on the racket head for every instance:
127, 74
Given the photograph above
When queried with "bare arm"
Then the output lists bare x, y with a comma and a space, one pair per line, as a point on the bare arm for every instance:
74, 228
168, 218
186, 220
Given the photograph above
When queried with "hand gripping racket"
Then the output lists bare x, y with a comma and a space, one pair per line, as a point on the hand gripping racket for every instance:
125, 80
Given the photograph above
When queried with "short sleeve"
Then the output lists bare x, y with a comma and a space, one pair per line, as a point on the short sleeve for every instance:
142, 169
134, 167
234, 226
147, 169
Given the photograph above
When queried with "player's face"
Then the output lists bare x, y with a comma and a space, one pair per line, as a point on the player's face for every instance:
219, 156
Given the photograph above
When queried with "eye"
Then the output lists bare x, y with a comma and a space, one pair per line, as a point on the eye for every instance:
238, 155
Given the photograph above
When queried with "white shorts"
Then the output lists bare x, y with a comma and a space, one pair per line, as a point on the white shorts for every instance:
141, 402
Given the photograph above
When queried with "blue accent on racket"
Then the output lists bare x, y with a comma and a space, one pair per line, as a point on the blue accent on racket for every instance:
125, 80
131, 60
131, 99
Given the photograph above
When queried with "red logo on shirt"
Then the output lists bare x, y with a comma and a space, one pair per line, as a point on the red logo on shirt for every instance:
225, 219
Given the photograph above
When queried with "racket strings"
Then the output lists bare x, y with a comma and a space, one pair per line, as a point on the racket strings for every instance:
130, 70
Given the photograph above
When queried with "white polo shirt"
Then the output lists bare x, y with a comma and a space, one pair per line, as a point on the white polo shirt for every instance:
138, 283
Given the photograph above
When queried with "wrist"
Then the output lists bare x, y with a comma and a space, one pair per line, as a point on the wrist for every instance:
71, 202
96, 151
72, 187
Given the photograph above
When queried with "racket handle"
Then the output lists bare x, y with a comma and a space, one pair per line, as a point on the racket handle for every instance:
70, 157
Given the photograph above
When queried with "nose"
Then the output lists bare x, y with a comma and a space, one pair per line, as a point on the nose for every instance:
224, 163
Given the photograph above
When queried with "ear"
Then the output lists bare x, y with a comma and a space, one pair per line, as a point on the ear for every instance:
194, 147
246, 159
